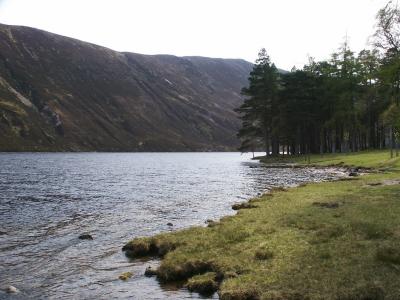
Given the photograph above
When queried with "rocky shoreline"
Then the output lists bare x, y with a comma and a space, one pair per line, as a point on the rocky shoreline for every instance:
205, 278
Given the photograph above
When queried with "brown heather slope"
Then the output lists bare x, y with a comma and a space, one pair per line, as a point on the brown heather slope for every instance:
62, 94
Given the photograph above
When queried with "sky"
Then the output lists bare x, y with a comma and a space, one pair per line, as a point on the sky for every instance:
290, 30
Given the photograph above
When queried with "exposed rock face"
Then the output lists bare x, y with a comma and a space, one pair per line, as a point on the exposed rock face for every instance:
58, 93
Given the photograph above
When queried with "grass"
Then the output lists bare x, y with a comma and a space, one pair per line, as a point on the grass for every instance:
330, 240
205, 284
365, 159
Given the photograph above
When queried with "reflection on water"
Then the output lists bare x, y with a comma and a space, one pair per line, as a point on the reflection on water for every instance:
48, 199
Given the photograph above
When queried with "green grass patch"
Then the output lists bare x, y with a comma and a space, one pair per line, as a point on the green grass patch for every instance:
204, 284
366, 159
330, 240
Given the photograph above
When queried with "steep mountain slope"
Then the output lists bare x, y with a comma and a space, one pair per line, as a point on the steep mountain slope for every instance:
58, 93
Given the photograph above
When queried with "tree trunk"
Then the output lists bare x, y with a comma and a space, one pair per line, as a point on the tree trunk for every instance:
391, 133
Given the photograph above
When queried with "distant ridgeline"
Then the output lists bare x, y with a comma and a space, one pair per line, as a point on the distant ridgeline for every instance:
61, 94
348, 103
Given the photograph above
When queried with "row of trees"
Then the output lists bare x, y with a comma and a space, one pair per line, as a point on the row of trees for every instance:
347, 103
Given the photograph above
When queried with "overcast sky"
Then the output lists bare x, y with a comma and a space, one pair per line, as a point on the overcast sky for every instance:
290, 30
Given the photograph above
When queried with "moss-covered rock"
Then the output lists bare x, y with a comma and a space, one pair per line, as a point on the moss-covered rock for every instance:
204, 284
185, 270
239, 294
125, 276
243, 205
142, 247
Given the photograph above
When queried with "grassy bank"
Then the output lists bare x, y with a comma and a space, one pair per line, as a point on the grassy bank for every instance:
331, 240
367, 159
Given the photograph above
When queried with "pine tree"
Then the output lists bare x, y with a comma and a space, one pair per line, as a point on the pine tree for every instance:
259, 108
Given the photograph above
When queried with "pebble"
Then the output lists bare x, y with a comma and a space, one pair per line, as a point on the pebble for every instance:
11, 289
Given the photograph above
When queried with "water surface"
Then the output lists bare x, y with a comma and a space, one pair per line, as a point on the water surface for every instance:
48, 199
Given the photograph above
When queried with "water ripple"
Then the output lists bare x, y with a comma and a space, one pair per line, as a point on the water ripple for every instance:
48, 199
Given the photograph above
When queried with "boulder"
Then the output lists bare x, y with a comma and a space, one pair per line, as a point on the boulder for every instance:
11, 289
85, 236
150, 271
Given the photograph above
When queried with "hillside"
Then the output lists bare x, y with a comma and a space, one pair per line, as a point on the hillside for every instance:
62, 94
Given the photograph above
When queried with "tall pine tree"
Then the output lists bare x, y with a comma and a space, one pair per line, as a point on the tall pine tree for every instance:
260, 109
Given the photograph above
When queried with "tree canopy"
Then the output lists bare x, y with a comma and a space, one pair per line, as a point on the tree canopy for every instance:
347, 103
